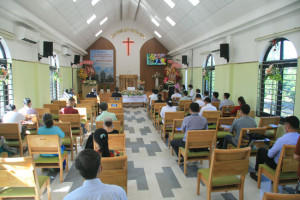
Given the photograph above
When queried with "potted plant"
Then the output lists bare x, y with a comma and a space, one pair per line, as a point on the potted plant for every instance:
108, 89
101, 89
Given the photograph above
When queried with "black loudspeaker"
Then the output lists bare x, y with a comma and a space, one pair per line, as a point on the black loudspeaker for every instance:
184, 59
76, 59
48, 49
224, 51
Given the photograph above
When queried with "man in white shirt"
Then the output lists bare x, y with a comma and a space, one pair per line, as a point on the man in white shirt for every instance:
226, 101
168, 108
153, 97
208, 106
206, 93
88, 162
198, 100
176, 95
192, 93
198, 91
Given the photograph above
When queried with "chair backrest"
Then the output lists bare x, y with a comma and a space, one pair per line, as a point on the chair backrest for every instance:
245, 131
115, 105
116, 142
224, 121
65, 127
42, 111
176, 124
115, 110
251, 114
216, 104
115, 100
265, 121
275, 196
286, 161
82, 112
54, 108
94, 99
175, 100
89, 101
200, 139
114, 171
158, 107
229, 162
74, 119
61, 104
18, 172
170, 116
120, 117
43, 144
211, 116
116, 125
226, 110
10, 131
184, 104
34, 121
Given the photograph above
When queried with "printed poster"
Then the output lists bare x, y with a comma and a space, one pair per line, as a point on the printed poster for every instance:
103, 65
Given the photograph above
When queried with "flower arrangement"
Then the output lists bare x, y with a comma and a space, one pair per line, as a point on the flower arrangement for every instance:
3, 75
156, 75
172, 73
273, 73
170, 82
132, 93
140, 84
205, 75
89, 82
86, 71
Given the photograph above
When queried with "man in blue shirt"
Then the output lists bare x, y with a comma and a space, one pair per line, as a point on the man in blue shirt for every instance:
271, 157
191, 122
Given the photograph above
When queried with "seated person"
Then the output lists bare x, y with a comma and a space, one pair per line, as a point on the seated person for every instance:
88, 163
297, 157
92, 94
159, 99
153, 97
198, 100
198, 91
49, 129
27, 110
192, 93
108, 126
168, 108
244, 122
71, 92
66, 95
271, 156
241, 102
215, 97
191, 122
226, 101
116, 93
101, 139
208, 106
12, 116
104, 113
185, 96
206, 94
182, 89
176, 94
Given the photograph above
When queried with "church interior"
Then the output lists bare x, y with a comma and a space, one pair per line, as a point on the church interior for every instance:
201, 95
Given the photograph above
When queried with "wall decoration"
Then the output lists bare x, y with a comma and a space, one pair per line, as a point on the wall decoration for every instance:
128, 42
103, 65
126, 30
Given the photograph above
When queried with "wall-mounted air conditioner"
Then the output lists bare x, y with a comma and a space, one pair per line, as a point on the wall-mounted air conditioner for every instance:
26, 35
66, 51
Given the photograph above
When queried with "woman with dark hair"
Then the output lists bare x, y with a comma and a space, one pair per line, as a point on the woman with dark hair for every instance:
101, 139
168, 108
49, 129
241, 102
182, 89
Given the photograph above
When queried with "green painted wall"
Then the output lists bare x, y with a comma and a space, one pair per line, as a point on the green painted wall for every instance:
197, 78
66, 76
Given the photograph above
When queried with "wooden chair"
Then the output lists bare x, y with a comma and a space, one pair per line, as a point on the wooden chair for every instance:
84, 117
61, 104
116, 142
156, 118
74, 119
3, 155
115, 105
19, 180
220, 130
251, 114
216, 104
175, 134
272, 196
152, 108
223, 174
89, 111
226, 110
114, 171
33, 126
116, 100
115, 110
54, 110
212, 118
42, 111
120, 117
197, 139
147, 106
266, 122
182, 103
244, 143
116, 125
93, 103
47, 144
168, 122
11, 131
68, 141
175, 101
186, 106
285, 172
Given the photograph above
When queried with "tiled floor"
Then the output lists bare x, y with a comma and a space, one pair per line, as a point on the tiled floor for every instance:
153, 172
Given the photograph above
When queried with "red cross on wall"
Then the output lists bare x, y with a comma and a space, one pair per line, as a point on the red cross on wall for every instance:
128, 42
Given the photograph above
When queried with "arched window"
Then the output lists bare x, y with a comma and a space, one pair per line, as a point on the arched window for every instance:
208, 83
6, 86
277, 79
54, 77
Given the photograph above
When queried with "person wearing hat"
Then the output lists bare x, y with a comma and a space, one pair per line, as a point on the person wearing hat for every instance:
168, 108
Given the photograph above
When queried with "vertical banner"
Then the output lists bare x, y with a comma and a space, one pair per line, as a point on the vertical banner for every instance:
103, 65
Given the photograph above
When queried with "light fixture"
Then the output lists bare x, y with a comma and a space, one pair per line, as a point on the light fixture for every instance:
94, 2
98, 33
155, 22
91, 19
103, 21
170, 3
156, 33
194, 2
74, 0
170, 21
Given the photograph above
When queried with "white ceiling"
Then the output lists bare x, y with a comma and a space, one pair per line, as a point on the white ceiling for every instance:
69, 18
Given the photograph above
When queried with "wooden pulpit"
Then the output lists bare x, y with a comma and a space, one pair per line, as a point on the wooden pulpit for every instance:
128, 81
